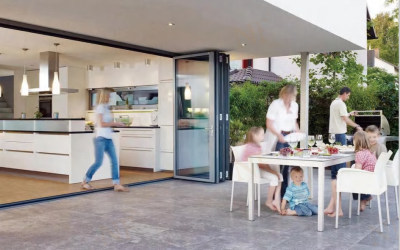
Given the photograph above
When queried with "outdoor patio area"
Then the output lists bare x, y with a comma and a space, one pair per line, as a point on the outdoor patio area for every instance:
185, 215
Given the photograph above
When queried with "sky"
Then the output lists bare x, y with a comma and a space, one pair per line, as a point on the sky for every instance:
378, 6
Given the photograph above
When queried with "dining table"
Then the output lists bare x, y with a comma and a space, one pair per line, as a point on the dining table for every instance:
320, 162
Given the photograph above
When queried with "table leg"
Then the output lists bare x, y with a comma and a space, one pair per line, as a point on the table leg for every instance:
311, 182
251, 192
321, 203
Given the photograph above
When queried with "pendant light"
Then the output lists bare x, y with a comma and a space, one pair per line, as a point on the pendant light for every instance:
188, 90
24, 85
55, 88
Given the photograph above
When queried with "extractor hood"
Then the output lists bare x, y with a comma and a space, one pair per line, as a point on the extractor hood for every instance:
48, 65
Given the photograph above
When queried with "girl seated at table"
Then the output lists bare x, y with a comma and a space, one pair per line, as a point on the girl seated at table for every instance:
253, 141
365, 160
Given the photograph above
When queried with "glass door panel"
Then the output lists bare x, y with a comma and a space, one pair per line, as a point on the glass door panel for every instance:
194, 117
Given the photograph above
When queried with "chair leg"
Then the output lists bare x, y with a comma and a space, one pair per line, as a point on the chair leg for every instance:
387, 207
337, 209
255, 191
380, 212
233, 187
359, 204
259, 200
370, 204
397, 200
350, 204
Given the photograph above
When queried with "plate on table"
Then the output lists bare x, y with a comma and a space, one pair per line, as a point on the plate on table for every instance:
346, 151
295, 137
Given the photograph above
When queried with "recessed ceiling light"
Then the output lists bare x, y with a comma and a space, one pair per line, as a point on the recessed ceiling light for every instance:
171, 24
243, 44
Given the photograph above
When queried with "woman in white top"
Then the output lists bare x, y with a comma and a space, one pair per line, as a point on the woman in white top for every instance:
282, 120
103, 142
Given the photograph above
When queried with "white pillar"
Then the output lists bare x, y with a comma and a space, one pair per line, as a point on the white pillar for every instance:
304, 108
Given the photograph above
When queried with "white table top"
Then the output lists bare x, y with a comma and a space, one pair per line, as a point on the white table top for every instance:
313, 161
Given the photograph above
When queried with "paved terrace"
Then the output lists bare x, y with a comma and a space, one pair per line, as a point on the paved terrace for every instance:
183, 215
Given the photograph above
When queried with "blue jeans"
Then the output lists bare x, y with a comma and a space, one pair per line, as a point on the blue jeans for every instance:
364, 197
284, 169
335, 169
101, 146
306, 209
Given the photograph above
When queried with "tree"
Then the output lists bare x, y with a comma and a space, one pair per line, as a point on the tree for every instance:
388, 43
396, 10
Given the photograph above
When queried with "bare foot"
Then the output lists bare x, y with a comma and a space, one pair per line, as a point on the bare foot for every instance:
329, 210
363, 205
334, 214
86, 186
276, 204
120, 188
270, 205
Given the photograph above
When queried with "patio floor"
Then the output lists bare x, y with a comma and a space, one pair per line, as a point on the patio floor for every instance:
185, 215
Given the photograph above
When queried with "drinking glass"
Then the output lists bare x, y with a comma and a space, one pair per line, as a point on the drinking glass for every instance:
311, 140
332, 138
319, 140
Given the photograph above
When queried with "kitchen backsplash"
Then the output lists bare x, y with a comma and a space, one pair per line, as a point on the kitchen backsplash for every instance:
138, 117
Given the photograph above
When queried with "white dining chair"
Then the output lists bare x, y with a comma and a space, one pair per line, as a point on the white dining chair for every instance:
242, 173
359, 181
392, 177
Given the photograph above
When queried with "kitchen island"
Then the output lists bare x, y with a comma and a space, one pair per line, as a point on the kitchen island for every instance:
56, 146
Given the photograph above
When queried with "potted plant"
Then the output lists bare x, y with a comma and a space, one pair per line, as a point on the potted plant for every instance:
37, 114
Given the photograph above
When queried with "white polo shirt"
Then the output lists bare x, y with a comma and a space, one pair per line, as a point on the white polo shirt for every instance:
336, 123
105, 132
283, 121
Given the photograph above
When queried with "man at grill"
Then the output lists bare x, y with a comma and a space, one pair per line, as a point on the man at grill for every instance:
338, 121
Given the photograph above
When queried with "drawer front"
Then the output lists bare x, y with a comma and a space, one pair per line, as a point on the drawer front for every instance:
137, 141
19, 137
166, 161
19, 146
137, 132
18, 160
56, 164
55, 144
137, 158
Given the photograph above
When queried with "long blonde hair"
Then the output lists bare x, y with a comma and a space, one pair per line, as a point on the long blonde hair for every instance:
102, 94
361, 141
250, 135
288, 89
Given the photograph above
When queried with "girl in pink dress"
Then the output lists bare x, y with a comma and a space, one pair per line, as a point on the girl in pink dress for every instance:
253, 141
365, 160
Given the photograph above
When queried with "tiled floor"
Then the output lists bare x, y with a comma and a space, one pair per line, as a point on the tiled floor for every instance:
183, 215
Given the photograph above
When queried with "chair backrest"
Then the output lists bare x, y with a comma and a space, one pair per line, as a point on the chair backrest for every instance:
396, 164
241, 170
392, 171
380, 167
238, 152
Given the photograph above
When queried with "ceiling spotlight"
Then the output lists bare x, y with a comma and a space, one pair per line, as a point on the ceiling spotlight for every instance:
243, 44
147, 62
171, 24
117, 65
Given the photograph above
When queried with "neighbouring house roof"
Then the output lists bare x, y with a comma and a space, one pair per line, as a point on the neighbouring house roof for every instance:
253, 75
373, 55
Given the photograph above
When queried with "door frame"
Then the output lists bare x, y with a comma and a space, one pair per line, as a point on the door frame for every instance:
212, 120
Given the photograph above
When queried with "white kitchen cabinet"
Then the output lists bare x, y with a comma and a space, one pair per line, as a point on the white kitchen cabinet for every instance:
167, 139
140, 148
165, 103
166, 160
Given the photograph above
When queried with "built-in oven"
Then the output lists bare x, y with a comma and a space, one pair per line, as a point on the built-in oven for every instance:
45, 103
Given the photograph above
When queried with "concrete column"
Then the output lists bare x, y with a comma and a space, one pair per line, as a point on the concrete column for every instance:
304, 108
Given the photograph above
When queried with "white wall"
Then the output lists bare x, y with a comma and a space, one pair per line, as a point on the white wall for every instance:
283, 66
384, 65
26, 104
321, 14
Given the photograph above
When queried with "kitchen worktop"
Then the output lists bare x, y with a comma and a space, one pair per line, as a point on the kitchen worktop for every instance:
52, 132
43, 119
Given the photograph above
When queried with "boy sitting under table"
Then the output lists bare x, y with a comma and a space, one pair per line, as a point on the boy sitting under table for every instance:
297, 195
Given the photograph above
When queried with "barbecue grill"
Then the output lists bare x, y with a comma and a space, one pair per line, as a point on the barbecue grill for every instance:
376, 117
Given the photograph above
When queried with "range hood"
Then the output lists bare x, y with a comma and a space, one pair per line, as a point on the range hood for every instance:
48, 65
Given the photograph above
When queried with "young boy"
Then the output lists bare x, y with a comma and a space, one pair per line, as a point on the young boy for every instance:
297, 195
373, 135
